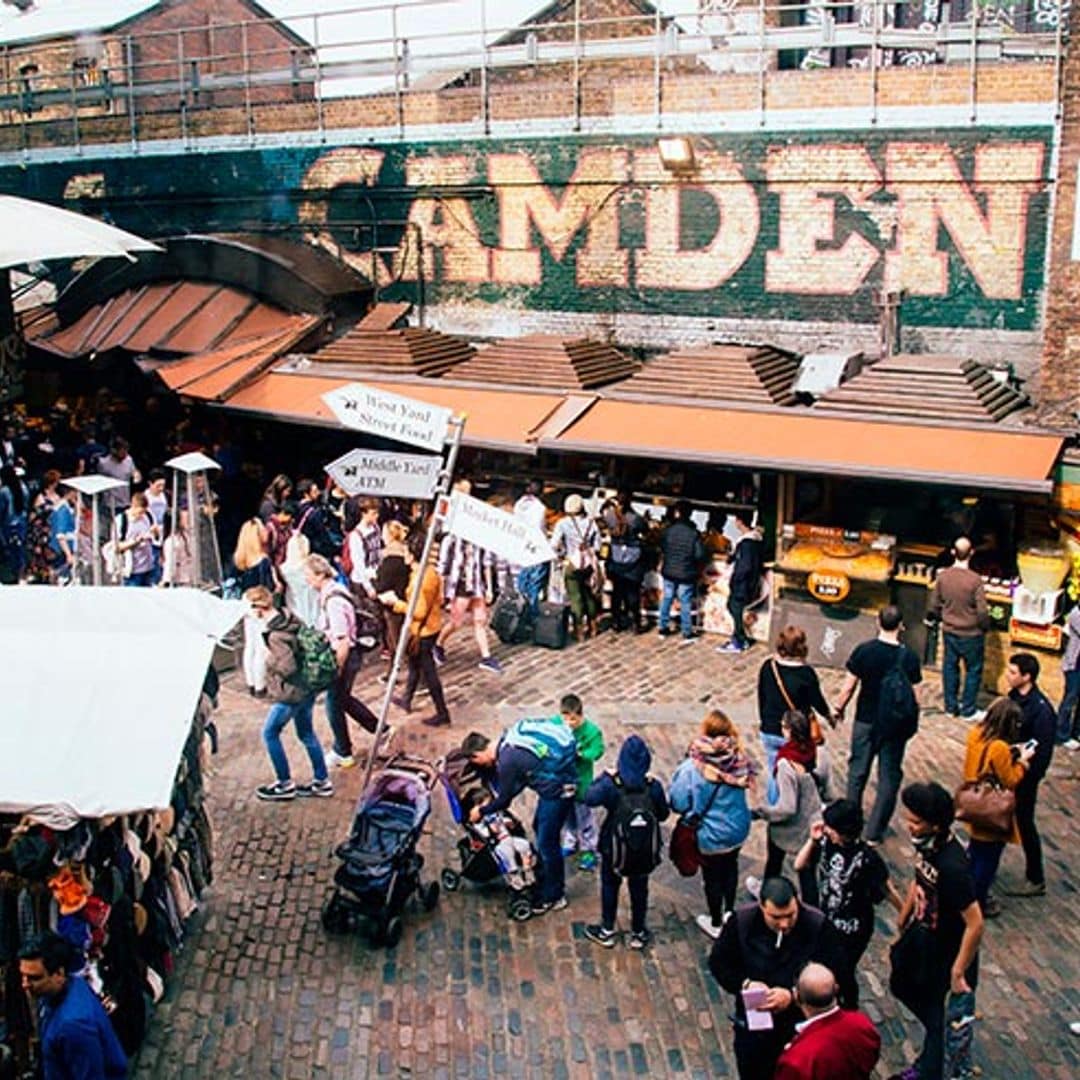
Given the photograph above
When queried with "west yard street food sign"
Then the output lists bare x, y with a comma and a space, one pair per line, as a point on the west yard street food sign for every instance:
805, 226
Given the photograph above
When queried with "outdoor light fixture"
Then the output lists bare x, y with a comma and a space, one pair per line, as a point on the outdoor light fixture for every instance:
676, 153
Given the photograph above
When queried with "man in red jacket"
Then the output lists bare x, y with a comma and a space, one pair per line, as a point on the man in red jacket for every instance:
831, 1043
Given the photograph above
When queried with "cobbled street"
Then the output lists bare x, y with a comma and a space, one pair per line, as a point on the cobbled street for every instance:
262, 991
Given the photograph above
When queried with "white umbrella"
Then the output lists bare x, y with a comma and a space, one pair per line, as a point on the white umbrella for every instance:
36, 232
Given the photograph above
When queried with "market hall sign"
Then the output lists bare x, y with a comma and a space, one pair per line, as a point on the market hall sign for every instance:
818, 219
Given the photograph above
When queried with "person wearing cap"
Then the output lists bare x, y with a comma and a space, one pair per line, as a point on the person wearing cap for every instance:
831, 1043
77, 1039
577, 539
851, 879
759, 954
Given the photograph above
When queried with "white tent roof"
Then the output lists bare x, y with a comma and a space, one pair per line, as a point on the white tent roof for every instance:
36, 232
99, 689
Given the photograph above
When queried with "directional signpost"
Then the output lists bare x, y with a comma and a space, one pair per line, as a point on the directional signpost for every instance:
376, 472
495, 530
411, 476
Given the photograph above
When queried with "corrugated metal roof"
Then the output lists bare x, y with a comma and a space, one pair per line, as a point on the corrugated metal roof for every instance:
166, 317
214, 375
546, 360
927, 386
753, 374
66, 18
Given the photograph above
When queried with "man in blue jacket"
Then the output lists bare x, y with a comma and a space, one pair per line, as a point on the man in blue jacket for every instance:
77, 1039
542, 755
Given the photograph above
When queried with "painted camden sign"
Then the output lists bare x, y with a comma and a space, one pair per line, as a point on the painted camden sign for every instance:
804, 226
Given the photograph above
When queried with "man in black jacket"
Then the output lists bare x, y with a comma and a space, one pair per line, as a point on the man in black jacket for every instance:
683, 554
760, 952
312, 521
1039, 723
745, 584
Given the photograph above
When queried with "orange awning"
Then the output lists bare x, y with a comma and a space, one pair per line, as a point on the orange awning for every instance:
1013, 459
501, 419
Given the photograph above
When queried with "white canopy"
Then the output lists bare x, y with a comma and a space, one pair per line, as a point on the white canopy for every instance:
36, 232
99, 690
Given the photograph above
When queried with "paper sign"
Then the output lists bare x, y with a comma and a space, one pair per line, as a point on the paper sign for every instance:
373, 472
520, 543
390, 416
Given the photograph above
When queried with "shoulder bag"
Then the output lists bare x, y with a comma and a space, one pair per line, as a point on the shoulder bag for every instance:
683, 849
984, 803
816, 734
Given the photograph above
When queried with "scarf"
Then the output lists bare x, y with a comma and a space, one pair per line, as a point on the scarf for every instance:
804, 755
722, 761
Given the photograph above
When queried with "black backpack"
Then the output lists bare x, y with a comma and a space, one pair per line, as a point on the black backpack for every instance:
635, 832
898, 708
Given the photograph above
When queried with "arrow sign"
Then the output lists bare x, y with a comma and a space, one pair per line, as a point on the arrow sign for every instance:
372, 472
390, 416
520, 543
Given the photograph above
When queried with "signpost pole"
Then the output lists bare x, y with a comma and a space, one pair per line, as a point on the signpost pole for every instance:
458, 423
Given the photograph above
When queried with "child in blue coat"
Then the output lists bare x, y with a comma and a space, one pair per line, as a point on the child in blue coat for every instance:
609, 790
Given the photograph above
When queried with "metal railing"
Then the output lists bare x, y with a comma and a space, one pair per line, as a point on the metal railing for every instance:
394, 50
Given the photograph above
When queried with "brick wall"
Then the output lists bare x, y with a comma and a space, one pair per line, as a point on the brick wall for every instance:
1060, 373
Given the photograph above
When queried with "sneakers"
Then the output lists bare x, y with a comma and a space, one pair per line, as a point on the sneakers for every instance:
1071, 744
731, 647
707, 926
342, 761
1029, 888
319, 789
544, 906
439, 655
976, 717
279, 791
665, 631
601, 935
489, 663
587, 861
753, 886
435, 720
689, 639
638, 939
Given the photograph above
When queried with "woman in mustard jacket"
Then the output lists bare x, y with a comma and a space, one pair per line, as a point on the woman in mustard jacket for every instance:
991, 751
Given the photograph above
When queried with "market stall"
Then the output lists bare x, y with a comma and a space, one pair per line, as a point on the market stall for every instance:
104, 834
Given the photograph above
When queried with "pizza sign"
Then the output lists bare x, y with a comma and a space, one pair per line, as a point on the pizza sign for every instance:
828, 586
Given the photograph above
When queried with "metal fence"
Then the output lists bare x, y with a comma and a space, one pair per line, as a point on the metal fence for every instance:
392, 50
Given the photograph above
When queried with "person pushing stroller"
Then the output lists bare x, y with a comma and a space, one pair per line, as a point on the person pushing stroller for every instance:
542, 755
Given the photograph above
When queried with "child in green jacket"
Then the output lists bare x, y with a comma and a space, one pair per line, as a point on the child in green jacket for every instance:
580, 833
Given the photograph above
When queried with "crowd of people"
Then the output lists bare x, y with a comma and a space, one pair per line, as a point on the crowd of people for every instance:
327, 581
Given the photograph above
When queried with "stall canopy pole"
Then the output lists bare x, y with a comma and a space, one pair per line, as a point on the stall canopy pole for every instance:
95, 541
441, 491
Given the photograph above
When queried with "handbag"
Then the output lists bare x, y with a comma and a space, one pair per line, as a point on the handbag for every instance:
683, 849
817, 736
985, 804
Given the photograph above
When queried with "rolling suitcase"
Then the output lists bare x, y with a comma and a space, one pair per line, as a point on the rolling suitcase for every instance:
507, 615
550, 628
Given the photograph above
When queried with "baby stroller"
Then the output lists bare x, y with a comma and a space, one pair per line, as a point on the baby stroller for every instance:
491, 848
380, 866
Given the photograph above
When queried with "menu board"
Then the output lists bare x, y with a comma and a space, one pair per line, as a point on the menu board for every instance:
832, 558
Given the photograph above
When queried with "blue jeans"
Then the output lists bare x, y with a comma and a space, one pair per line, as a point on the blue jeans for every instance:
684, 590
551, 816
530, 583
771, 744
970, 651
144, 579
984, 855
890, 774
1066, 724
280, 714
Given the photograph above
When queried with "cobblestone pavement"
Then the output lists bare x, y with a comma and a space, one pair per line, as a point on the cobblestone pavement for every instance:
262, 991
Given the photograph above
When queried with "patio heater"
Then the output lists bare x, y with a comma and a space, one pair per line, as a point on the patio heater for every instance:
92, 487
191, 493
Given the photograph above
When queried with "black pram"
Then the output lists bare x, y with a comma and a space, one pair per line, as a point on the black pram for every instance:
494, 847
380, 866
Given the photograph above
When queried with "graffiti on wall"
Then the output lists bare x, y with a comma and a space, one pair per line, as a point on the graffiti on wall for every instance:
798, 227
